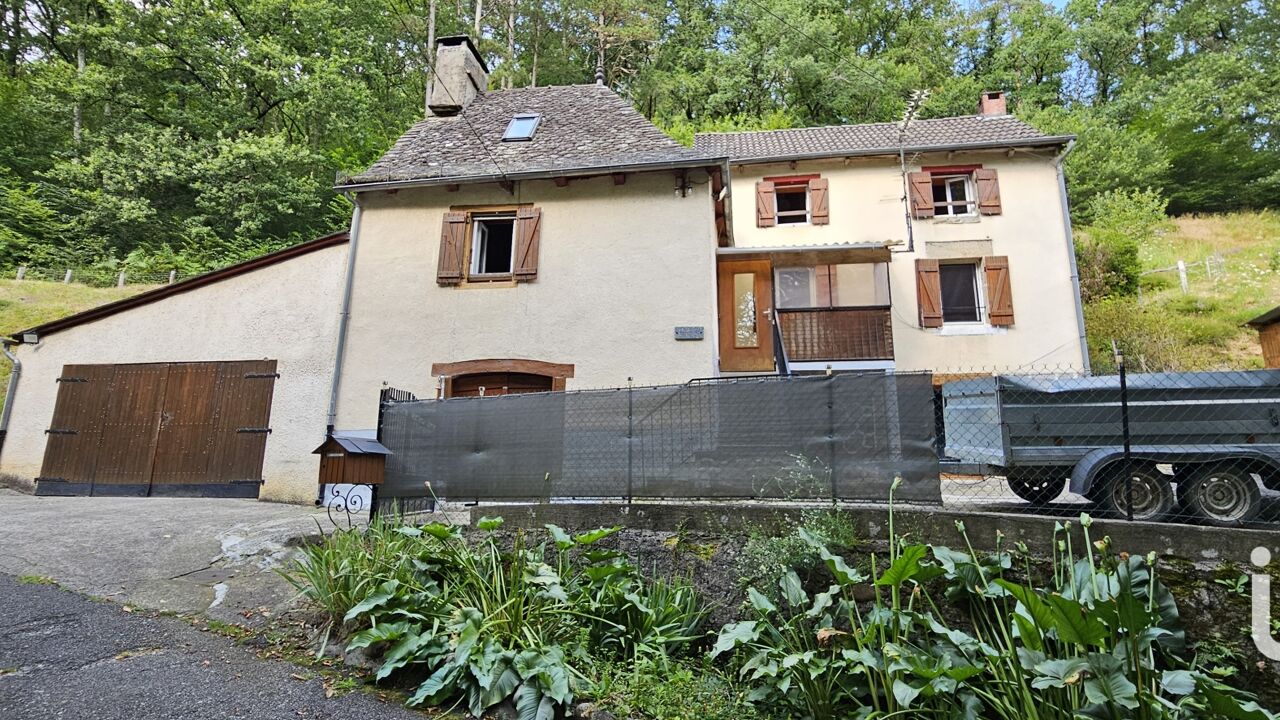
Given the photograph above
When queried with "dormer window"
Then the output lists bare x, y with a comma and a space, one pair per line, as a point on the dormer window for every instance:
521, 127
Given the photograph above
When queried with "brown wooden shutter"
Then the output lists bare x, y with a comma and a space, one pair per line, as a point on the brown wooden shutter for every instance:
988, 191
453, 236
929, 293
999, 292
921, 194
528, 231
818, 204
766, 208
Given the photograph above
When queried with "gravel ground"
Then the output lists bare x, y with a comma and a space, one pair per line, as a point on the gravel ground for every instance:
63, 655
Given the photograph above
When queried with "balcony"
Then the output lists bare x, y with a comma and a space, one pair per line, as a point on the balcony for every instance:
862, 333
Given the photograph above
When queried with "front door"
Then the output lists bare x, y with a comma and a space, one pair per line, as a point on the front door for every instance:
746, 315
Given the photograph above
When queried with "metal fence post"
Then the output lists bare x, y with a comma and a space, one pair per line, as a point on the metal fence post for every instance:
630, 438
1124, 426
831, 431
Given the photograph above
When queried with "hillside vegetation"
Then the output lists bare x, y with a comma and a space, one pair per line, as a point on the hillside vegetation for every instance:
1233, 275
32, 302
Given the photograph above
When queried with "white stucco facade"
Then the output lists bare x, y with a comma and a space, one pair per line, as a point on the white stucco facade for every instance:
620, 266
286, 311
866, 206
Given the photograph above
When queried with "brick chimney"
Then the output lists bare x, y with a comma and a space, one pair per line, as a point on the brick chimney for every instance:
992, 103
460, 74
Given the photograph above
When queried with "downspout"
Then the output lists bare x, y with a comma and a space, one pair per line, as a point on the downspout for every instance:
1071, 253
9, 391
344, 317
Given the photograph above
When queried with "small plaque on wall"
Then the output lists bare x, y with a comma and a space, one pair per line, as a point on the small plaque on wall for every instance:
689, 332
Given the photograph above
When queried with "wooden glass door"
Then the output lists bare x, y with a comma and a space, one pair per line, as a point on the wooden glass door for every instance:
745, 289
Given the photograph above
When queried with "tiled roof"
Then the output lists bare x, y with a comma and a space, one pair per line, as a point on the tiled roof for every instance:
582, 127
971, 130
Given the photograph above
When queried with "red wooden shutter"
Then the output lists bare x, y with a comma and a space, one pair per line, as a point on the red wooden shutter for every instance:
999, 292
988, 191
921, 194
818, 212
766, 209
929, 293
453, 235
528, 231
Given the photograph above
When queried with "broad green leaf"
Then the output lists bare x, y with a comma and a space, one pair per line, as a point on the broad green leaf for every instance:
1224, 705
1073, 622
904, 693
1178, 682
821, 602
595, 536
489, 523
441, 531
382, 632
792, 589
409, 531
1111, 686
906, 566
559, 536
735, 634
760, 602
385, 592
1068, 672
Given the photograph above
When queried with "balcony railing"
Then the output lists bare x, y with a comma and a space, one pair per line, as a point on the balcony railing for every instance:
842, 333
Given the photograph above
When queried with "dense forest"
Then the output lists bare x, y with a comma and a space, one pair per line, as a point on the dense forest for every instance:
147, 134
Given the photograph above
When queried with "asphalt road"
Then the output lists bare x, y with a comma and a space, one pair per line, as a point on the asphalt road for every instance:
63, 655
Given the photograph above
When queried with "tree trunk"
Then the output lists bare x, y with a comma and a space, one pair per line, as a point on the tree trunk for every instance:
476, 27
77, 115
510, 80
431, 52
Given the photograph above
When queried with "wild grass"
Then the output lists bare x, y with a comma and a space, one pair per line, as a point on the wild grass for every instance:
1202, 329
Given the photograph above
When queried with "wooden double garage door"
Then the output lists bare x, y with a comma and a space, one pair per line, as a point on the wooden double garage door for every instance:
181, 429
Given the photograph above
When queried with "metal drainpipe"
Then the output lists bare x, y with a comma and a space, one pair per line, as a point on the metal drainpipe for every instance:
8, 393
1071, 254
344, 317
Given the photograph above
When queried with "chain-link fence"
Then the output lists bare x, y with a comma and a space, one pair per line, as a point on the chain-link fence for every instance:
1199, 447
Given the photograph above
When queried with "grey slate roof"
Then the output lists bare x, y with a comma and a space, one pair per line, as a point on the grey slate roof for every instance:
583, 127
969, 131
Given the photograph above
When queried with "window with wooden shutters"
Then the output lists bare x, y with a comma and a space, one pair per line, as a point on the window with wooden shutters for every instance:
921, 187
819, 213
999, 292
929, 293
528, 230
988, 191
453, 238
765, 205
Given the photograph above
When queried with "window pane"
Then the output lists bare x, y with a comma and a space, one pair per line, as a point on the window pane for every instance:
792, 203
854, 284
491, 246
521, 127
959, 292
795, 288
745, 332
959, 189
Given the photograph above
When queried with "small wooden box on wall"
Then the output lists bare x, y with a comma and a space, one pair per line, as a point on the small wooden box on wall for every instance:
350, 460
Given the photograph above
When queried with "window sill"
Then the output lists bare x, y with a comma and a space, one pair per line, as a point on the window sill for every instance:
956, 219
971, 329
489, 281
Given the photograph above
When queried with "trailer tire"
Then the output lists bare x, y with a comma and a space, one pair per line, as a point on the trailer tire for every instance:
1038, 488
1223, 494
1152, 493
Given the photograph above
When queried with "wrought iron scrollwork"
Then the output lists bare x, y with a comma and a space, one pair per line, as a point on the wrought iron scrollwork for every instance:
346, 501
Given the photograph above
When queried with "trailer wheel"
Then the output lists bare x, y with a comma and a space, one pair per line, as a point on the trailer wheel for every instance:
1037, 488
1152, 493
1224, 494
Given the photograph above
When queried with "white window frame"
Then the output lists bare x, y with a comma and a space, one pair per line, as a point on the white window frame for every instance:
971, 199
792, 188
509, 135
479, 236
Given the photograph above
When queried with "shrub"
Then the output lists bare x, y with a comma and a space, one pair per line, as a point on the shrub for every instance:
1108, 252
1101, 639
672, 691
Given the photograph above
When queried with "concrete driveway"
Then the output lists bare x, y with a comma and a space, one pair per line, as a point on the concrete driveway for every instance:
215, 556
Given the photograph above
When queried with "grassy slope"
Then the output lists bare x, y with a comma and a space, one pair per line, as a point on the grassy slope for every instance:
32, 302
1203, 329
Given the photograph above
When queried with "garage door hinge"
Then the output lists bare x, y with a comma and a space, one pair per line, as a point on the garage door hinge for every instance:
72, 379
263, 431
56, 431
259, 376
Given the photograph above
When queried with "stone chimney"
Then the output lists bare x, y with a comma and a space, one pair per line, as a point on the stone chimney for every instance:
460, 75
992, 103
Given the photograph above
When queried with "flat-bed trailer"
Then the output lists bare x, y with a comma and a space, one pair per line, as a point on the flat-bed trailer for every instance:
1205, 442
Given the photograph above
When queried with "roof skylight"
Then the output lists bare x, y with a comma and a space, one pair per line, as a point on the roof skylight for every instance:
521, 127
